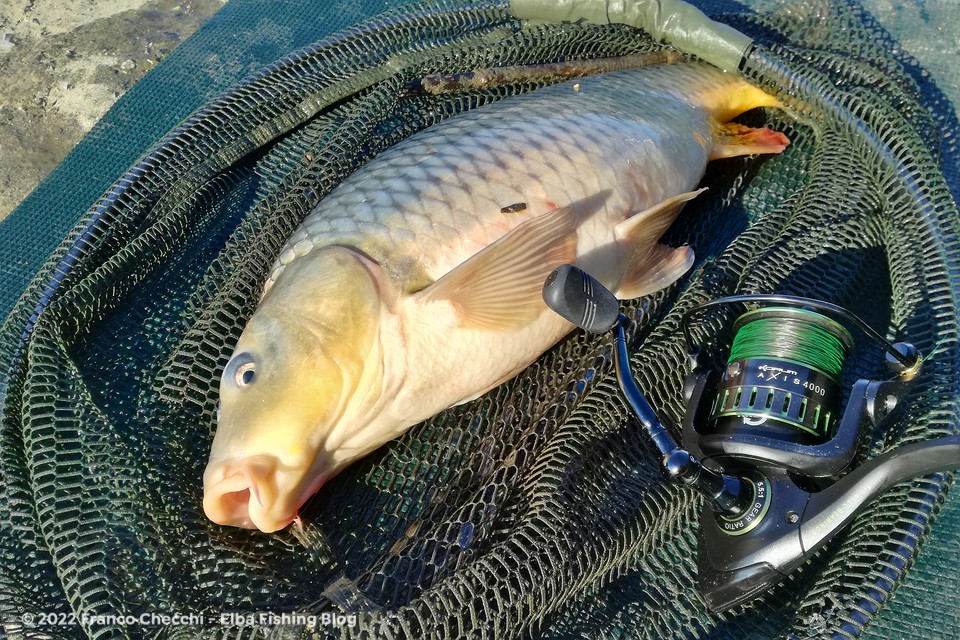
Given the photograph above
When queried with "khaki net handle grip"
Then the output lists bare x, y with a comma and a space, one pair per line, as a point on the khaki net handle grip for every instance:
672, 21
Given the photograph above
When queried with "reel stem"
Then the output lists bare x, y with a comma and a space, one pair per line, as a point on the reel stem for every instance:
725, 493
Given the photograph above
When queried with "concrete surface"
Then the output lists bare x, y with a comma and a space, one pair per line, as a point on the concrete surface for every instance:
63, 63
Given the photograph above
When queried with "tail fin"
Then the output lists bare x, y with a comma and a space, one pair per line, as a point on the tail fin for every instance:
730, 99
734, 139
726, 101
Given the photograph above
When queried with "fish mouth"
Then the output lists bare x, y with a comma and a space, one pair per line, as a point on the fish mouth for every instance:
255, 492
244, 492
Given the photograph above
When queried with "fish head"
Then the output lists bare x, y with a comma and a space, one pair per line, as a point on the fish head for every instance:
306, 365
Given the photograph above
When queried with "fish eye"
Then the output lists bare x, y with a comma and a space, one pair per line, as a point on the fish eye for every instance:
243, 370
245, 375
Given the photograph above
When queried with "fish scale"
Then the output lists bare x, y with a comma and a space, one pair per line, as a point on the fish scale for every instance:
443, 188
416, 284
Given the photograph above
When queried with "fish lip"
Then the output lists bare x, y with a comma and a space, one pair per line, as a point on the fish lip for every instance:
244, 513
219, 511
252, 509
239, 497
272, 525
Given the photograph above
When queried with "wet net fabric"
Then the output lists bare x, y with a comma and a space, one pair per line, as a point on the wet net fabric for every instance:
539, 509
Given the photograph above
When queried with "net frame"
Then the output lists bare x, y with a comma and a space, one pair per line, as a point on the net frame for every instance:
464, 503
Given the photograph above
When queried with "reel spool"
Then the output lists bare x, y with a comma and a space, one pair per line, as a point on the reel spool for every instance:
769, 430
778, 398
783, 375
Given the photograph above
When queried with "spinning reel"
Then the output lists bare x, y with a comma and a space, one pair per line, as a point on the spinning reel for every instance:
766, 442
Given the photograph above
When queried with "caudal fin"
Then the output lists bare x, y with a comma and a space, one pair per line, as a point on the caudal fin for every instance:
726, 100
737, 140
729, 99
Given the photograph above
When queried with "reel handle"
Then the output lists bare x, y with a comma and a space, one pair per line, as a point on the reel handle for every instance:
579, 298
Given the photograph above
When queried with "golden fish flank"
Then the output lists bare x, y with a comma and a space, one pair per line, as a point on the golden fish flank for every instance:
415, 285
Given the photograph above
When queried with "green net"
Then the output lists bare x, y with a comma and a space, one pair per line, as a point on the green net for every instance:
538, 509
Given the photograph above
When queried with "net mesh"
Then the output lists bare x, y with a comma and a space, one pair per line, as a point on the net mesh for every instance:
538, 509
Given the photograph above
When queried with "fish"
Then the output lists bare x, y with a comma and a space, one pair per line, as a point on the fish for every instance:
415, 284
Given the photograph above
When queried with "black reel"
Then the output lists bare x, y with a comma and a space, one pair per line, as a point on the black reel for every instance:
777, 399
766, 441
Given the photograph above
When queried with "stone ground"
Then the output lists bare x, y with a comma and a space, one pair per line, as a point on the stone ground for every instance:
63, 63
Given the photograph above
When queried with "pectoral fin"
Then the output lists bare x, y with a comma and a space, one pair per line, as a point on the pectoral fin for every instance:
498, 289
737, 140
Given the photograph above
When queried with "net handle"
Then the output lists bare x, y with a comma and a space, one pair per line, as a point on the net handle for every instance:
673, 21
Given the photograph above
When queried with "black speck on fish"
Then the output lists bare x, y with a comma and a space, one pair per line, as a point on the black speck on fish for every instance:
516, 207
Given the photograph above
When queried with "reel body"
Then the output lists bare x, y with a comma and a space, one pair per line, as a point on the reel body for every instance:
777, 400
772, 416
765, 439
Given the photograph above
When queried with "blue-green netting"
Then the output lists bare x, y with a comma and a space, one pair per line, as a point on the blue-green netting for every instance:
241, 38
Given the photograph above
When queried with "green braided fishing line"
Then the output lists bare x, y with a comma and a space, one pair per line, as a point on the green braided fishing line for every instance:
792, 339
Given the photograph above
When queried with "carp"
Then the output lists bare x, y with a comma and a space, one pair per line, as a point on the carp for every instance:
415, 284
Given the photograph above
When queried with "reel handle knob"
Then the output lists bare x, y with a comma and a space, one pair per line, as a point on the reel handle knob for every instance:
578, 298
